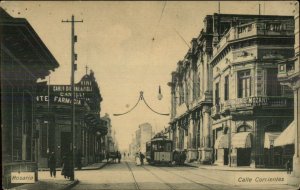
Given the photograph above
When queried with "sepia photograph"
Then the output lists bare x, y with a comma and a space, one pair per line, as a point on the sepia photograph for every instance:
150, 95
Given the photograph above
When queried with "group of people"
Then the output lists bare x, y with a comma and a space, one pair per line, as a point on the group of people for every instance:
139, 158
116, 155
179, 157
66, 164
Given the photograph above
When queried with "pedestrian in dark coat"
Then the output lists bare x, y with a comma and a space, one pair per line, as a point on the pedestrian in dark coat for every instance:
78, 160
119, 155
52, 165
142, 158
289, 167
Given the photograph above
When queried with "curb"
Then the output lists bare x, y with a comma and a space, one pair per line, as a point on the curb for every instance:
59, 169
71, 185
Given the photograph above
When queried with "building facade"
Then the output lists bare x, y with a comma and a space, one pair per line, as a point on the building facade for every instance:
24, 60
199, 85
54, 121
109, 138
251, 108
289, 75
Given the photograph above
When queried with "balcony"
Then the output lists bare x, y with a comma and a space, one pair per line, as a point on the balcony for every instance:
257, 28
249, 103
288, 70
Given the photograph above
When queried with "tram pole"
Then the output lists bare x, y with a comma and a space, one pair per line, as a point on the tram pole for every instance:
73, 68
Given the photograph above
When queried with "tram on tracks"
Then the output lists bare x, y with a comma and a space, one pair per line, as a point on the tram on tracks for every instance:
159, 151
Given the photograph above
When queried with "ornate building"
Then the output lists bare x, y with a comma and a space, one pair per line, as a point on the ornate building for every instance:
24, 60
192, 87
54, 121
289, 74
251, 108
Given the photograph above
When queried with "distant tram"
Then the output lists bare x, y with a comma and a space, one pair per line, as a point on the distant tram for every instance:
159, 151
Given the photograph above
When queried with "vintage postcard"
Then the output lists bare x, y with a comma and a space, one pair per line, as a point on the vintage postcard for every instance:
116, 95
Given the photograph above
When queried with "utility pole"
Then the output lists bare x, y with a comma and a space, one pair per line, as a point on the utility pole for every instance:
73, 68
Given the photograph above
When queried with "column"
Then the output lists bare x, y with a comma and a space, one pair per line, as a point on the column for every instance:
296, 158
206, 150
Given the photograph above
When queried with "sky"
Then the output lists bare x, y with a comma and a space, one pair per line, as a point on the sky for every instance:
131, 46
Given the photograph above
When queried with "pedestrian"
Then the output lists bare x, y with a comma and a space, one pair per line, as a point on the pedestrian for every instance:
124, 154
52, 165
78, 160
289, 167
142, 158
119, 156
128, 155
64, 167
137, 159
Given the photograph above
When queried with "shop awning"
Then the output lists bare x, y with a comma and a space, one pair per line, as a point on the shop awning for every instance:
287, 136
222, 142
241, 140
270, 138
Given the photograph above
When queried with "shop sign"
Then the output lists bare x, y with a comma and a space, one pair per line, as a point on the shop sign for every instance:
22, 177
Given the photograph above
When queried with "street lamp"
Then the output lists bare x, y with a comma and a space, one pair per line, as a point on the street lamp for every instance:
159, 96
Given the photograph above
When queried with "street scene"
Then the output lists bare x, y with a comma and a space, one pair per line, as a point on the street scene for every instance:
150, 95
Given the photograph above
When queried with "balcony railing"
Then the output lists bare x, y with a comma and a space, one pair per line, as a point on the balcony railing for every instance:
253, 29
251, 102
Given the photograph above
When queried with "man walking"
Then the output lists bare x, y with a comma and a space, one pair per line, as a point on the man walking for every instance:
52, 165
289, 167
142, 158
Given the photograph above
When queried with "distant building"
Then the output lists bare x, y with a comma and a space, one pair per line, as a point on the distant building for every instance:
109, 141
145, 135
24, 60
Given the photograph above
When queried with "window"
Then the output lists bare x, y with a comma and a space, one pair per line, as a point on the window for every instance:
273, 86
244, 84
217, 94
226, 88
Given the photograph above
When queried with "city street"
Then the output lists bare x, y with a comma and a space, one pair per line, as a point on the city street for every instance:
127, 175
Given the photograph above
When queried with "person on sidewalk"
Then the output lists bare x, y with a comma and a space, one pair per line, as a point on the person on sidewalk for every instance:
119, 155
289, 167
142, 158
78, 160
52, 165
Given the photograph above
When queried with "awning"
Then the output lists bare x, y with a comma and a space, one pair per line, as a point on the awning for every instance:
222, 142
287, 136
241, 140
270, 138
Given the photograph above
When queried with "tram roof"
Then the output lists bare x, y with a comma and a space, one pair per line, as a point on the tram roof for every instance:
160, 139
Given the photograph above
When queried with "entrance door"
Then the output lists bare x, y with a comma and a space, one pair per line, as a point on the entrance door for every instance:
243, 156
226, 151
66, 140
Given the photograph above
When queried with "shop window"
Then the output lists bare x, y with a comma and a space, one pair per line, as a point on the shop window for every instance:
244, 84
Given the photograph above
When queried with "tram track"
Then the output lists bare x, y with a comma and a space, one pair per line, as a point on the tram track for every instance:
164, 182
135, 182
190, 180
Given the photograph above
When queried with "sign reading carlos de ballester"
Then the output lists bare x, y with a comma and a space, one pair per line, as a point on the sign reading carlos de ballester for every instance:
22, 177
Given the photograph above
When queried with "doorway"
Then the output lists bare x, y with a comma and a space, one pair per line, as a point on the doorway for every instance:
243, 156
66, 140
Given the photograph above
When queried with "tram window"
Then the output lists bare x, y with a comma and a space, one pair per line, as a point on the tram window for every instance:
168, 147
154, 146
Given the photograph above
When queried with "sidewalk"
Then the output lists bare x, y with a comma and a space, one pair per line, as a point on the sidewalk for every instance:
59, 183
227, 168
94, 166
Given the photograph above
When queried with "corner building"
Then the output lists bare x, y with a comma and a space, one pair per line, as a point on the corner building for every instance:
54, 113
250, 107
24, 60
